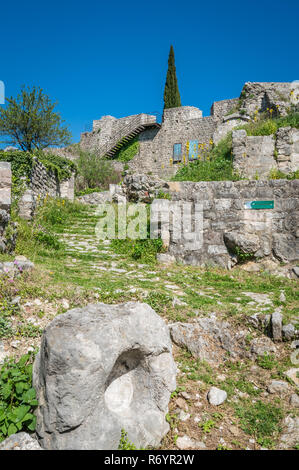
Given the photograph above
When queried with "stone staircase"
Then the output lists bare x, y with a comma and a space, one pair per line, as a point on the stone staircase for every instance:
127, 132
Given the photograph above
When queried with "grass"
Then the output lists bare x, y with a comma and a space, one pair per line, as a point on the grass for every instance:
128, 151
261, 420
69, 274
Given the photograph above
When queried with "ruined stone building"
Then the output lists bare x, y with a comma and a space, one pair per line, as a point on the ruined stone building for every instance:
185, 135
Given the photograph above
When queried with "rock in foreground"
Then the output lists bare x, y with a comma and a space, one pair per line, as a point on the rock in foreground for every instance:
103, 368
20, 441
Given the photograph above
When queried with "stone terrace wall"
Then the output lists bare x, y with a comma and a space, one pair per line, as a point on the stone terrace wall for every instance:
5, 201
255, 155
269, 232
44, 182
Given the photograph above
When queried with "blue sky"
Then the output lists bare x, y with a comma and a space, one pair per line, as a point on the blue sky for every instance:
98, 58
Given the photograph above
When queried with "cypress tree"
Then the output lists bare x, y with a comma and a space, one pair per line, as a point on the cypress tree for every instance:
172, 97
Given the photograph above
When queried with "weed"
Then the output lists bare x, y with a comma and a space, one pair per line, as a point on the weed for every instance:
207, 426
124, 443
267, 361
17, 397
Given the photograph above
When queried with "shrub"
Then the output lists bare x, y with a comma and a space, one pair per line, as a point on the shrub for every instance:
262, 127
88, 191
94, 171
17, 397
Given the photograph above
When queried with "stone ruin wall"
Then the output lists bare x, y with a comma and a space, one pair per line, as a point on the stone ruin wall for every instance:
270, 232
44, 182
103, 131
5, 202
180, 125
256, 156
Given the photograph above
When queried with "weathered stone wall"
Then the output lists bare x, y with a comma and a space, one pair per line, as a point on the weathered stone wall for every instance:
256, 97
44, 182
256, 156
287, 146
253, 155
5, 202
179, 126
184, 124
228, 224
219, 109
227, 124
109, 130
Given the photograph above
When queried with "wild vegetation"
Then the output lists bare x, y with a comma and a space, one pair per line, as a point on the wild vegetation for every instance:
17, 397
77, 269
216, 164
128, 151
94, 173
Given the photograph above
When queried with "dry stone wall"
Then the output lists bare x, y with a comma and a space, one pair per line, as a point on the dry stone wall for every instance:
44, 182
229, 220
5, 202
228, 225
256, 156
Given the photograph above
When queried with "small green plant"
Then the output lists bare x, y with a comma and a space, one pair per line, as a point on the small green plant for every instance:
162, 195
207, 426
242, 256
7, 310
17, 397
177, 391
172, 419
279, 175
267, 361
124, 443
159, 300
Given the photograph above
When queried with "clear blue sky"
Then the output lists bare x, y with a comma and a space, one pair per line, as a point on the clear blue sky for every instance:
97, 57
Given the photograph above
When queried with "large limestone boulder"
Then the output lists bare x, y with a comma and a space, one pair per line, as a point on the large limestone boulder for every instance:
246, 242
20, 441
209, 339
100, 369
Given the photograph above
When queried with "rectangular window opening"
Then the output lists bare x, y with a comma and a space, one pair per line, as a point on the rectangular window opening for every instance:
177, 153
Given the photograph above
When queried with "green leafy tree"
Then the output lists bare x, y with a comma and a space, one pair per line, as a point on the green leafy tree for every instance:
30, 122
172, 97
